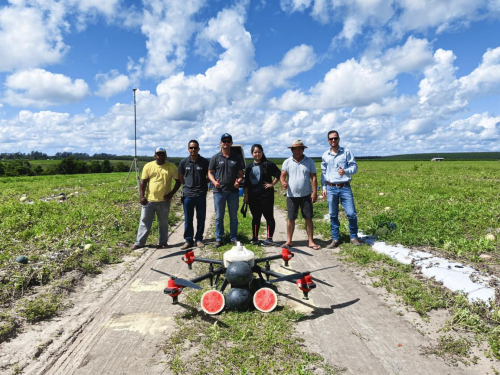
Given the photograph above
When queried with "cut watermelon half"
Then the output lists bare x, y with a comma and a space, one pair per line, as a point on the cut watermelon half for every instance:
212, 302
265, 300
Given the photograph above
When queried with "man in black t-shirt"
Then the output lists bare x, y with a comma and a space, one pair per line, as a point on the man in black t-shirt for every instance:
192, 173
225, 171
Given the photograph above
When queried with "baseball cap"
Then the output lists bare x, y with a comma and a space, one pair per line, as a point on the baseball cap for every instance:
226, 136
160, 149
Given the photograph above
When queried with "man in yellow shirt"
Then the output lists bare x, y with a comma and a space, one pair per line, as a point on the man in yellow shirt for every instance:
156, 193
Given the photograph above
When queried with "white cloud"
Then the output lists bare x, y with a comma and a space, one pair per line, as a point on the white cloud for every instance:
399, 16
185, 97
111, 83
40, 88
168, 25
359, 83
107, 7
485, 79
299, 59
30, 37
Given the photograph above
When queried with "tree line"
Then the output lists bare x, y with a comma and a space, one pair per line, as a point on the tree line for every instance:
69, 165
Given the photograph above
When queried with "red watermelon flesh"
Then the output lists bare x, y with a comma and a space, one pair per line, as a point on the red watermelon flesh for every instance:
265, 300
212, 302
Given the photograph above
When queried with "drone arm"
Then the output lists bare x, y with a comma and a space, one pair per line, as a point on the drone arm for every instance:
205, 260
273, 257
278, 275
208, 274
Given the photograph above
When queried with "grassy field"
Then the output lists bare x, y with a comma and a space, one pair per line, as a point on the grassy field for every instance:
448, 206
94, 226
451, 206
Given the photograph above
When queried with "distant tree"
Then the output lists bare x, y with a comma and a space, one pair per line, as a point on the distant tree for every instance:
95, 167
38, 170
120, 167
2, 169
67, 166
106, 166
19, 167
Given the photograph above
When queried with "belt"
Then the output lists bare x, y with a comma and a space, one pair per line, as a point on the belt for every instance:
338, 185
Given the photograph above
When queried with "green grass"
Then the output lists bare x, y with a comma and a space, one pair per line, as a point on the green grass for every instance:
54, 235
239, 342
450, 206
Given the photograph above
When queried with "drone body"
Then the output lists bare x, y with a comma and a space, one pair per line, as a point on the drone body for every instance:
239, 266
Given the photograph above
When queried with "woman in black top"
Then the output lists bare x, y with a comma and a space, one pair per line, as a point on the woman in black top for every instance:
259, 192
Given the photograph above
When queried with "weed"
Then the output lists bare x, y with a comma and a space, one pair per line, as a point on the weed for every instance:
8, 326
42, 307
454, 350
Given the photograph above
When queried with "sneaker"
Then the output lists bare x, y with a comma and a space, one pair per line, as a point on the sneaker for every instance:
218, 244
254, 241
234, 242
356, 242
200, 243
268, 242
333, 244
165, 246
186, 245
135, 247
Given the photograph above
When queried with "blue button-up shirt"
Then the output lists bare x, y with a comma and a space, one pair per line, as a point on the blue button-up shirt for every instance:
330, 164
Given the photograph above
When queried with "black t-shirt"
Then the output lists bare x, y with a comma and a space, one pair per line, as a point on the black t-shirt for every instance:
195, 176
257, 174
226, 170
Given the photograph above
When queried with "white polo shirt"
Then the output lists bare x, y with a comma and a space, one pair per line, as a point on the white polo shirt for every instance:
299, 176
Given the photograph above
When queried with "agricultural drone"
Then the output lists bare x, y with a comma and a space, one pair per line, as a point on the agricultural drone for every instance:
238, 265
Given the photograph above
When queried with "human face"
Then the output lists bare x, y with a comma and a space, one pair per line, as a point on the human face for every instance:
333, 139
226, 144
257, 154
160, 157
193, 149
297, 152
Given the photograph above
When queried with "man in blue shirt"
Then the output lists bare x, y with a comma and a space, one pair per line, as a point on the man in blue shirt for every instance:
337, 167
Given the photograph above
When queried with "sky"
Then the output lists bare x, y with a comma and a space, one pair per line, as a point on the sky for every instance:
392, 77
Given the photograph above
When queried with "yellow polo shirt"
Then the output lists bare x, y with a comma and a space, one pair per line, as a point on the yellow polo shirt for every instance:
160, 180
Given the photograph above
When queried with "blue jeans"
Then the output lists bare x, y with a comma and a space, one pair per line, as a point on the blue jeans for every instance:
200, 202
161, 209
344, 195
233, 201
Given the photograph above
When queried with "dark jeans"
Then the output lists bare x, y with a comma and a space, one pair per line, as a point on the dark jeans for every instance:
190, 203
259, 207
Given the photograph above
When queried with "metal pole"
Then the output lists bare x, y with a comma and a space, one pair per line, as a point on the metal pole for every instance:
135, 126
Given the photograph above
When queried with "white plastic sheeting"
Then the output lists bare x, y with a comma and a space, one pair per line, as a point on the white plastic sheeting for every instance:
454, 276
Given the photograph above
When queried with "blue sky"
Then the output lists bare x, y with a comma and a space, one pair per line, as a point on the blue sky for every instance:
392, 77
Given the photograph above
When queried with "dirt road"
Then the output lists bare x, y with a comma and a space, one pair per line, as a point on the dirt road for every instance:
119, 320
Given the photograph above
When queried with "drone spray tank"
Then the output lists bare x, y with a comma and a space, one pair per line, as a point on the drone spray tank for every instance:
239, 253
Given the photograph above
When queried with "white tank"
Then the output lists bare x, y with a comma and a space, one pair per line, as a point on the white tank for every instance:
238, 253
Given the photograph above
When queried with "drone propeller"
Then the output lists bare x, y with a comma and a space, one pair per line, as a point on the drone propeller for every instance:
172, 255
178, 281
315, 278
293, 276
298, 251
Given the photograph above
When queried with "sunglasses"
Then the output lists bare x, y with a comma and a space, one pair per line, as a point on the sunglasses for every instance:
226, 141
193, 148
333, 139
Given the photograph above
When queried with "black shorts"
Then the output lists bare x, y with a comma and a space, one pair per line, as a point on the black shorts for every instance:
305, 204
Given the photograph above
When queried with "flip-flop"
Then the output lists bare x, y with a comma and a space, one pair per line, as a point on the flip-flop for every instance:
314, 247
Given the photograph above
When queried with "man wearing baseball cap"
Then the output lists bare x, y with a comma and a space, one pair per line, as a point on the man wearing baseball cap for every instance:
297, 174
155, 196
225, 171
